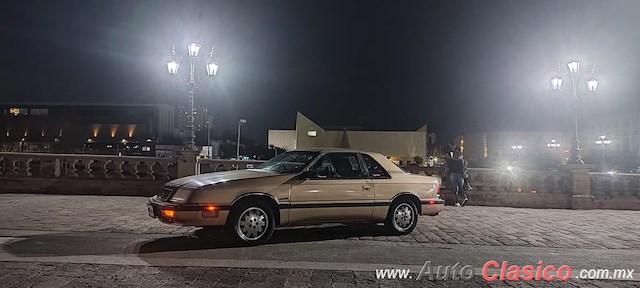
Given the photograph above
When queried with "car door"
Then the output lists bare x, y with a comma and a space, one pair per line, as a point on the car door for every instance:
335, 188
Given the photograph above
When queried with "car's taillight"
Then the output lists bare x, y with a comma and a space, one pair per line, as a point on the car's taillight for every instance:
438, 190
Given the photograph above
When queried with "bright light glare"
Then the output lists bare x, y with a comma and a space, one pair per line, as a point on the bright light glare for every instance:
556, 83
592, 85
172, 67
553, 144
574, 66
212, 69
193, 49
602, 140
510, 168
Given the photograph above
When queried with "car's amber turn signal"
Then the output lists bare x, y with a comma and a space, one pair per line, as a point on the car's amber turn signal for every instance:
210, 211
168, 213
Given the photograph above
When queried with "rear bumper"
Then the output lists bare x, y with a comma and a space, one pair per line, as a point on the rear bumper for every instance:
186, 214
432, 207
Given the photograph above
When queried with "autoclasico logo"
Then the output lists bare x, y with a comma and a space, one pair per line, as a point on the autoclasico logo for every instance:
494, 270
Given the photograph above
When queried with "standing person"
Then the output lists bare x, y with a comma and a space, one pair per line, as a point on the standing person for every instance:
467, 185
457, 167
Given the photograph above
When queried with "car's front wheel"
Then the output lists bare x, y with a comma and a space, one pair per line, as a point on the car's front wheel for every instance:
252, 222
402, 217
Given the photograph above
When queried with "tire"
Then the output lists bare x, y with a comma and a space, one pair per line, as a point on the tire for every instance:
252, 222
407, 218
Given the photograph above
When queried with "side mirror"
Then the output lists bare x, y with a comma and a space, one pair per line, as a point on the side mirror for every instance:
307, 175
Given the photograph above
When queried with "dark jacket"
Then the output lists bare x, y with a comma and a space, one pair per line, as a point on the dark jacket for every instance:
456, 165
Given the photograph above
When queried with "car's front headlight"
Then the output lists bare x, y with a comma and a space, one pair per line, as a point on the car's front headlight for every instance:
181, 196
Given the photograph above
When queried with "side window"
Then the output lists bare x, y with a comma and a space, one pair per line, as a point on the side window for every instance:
338, 166
375, 169
324, 168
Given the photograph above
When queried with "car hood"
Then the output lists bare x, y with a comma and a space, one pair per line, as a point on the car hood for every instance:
202, 180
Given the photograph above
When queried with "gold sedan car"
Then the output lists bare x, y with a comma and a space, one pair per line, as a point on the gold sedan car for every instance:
300, 187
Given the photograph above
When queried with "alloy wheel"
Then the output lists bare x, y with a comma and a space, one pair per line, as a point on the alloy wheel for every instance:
403, 217
252, 224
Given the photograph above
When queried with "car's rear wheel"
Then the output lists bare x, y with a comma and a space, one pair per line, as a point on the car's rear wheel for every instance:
252, 222
402, 217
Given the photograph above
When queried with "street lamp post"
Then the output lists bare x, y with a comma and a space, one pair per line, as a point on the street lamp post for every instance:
209, 147
240, 123
592, 85
189, 142
603, 141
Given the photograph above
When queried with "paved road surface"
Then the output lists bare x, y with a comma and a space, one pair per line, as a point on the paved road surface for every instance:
73, 241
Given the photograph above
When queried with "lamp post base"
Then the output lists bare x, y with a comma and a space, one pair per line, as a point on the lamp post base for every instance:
577, 160
581, 197
187, 161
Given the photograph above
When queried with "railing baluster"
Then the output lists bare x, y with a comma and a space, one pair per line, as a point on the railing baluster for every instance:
143, 170
117, 170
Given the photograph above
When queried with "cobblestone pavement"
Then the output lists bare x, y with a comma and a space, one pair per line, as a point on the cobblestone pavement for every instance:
52, 275
473, 225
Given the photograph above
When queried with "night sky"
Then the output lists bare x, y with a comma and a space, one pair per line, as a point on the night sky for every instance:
383, 65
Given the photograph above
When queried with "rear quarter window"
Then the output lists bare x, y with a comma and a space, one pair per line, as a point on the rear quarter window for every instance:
376, 171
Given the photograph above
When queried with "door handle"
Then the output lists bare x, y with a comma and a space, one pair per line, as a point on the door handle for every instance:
366, 188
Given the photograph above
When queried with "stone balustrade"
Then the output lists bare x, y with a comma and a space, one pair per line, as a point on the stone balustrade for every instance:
84, 174
546, 189
41, 165
99, 174
502, 180
606, 186
615, 191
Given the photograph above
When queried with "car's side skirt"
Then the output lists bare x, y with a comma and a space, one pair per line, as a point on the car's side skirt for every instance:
348, 204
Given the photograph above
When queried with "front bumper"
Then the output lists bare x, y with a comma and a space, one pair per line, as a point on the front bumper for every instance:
187, 214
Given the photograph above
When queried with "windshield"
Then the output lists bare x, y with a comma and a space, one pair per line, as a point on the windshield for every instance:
289, 162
